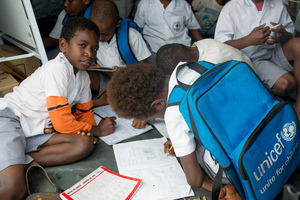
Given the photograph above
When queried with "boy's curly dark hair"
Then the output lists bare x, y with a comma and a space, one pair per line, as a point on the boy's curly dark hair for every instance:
132, 89
77, 23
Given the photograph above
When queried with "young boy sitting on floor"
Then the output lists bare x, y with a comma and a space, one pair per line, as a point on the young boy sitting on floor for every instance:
106, 15
144, 96
36, 121
263, 30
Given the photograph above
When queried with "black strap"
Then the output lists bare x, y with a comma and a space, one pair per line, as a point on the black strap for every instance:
216, 188
192, 65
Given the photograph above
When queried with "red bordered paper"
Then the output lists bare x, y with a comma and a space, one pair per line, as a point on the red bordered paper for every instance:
103, 184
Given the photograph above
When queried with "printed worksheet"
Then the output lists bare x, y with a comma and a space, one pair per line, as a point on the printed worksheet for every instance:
103, 184
162, 175
123, 129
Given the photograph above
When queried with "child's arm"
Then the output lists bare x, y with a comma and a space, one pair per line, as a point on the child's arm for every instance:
229, 192
196, 34
101, 101
64, 122
50, 42
84, 114
61, 116
195, 175
258, 36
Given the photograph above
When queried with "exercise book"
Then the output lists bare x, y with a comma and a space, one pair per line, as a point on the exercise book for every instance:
123, 129
162, 175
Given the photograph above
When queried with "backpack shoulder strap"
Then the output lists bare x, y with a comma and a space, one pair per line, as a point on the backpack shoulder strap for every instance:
87, 12
176, 96
179, 90
85, 15
200, 67
66, 18
123, 40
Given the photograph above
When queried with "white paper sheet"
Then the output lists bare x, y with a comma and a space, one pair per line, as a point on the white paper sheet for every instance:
163, 177
123, 129
102, 184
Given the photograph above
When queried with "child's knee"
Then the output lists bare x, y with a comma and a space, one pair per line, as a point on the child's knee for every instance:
84, 145
285, 85
295, 42
13, 190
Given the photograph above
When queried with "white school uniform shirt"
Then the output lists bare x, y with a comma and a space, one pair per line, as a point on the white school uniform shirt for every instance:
239, 17
182, 138
56, 31
215, 52
165, 26
55, 78
108, 54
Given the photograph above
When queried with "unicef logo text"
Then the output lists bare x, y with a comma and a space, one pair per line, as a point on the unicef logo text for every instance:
288, 132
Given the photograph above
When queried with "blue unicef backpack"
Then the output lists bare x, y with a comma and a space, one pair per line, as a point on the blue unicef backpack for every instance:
253, 136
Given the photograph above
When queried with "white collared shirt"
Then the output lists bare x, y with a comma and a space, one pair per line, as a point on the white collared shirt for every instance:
55, 78
165, 26
108, 54
239, 17
215, 52
182, 138
56, 31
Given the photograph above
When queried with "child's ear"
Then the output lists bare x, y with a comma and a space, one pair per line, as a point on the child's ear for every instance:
158, 104
63, 44
119, 23
86, 2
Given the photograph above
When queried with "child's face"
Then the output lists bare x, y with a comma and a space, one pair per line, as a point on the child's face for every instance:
107, 30
81, 50
75, 7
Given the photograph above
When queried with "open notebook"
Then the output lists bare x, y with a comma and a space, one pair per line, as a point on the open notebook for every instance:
123, 129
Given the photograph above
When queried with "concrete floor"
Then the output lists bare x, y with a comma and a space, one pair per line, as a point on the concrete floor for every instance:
103, 155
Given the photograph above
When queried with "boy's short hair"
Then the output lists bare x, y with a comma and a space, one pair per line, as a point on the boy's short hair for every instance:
105, 11
169, 55
77, 23
132, 89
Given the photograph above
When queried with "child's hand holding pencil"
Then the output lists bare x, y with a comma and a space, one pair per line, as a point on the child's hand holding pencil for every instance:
168, 148
105, 127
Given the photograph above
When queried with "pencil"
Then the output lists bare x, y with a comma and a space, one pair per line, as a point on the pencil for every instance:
275, 26
169, 150
97, 114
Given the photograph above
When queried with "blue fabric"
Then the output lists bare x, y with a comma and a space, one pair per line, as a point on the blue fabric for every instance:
252, 135
123, 40
86, 14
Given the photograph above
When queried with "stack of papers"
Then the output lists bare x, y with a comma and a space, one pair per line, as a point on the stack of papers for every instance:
163, 176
